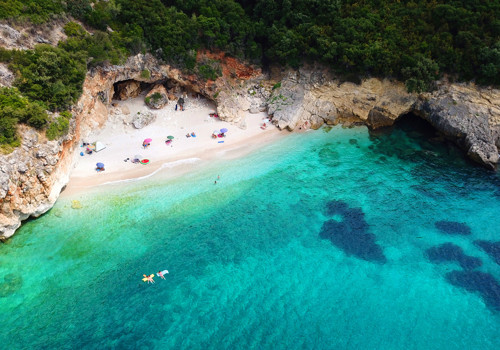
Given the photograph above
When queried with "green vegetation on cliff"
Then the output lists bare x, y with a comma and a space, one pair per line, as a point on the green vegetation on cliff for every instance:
415, 41
15, 109
412, 40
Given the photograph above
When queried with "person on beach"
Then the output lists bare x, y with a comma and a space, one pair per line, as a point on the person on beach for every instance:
180, 102
161, 275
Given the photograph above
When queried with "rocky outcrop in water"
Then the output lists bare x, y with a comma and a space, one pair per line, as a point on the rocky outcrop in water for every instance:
466, 114
31, 179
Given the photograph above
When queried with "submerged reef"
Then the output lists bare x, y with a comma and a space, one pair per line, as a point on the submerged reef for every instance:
476, 281
491, 248
450, 252
453, 228
351, 233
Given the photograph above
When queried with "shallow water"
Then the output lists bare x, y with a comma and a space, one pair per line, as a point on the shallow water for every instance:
322, 240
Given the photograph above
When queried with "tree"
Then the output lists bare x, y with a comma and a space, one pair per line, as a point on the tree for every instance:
420, 75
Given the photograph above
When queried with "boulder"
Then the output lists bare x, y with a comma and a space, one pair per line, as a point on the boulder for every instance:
142, 119
157, 98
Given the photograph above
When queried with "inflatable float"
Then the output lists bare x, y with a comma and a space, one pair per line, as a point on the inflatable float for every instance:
145, 279
164, 272
144, 161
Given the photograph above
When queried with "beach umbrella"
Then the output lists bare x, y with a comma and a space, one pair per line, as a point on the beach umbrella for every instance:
100, 165
148, 140
170, 137
223, 130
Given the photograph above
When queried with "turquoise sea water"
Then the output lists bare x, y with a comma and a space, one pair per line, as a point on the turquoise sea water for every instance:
323, 240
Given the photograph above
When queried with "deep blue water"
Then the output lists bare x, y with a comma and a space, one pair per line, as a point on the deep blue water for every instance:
324, 240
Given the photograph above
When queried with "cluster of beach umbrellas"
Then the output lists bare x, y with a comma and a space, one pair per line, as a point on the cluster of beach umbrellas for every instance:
140, 158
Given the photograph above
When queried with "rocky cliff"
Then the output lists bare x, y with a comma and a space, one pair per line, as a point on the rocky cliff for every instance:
465, 113
32, 177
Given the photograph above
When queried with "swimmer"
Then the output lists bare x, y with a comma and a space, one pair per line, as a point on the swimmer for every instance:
149, 278
161, 275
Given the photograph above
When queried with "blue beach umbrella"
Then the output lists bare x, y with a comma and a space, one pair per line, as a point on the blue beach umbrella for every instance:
223, 130
100, 165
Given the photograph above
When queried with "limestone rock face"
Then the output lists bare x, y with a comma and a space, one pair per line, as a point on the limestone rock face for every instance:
467, 114
470, 116
157, 98
31, 178
127, 89
6, 76
141, 120
25, 35
317, 97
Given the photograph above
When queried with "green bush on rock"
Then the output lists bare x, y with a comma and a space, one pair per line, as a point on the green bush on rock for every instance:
14, 109
59, 127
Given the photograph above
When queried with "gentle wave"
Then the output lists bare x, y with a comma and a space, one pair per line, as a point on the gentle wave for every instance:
163, 166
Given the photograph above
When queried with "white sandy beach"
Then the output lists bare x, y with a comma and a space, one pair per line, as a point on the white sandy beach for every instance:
123, 141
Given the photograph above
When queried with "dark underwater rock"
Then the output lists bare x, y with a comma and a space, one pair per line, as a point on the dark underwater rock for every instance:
476, 281
450, 252
491, 248
351, 234
453, 228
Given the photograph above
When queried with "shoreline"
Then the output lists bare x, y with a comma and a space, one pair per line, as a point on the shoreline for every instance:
123, 141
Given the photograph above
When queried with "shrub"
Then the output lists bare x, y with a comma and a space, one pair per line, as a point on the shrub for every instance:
156, 96
59, 127
50, 75
209, 69
145, 74
15, 109
420, 74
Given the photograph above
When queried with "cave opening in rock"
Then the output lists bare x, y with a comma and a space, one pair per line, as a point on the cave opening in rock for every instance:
412, 137
413, 124
125, 89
